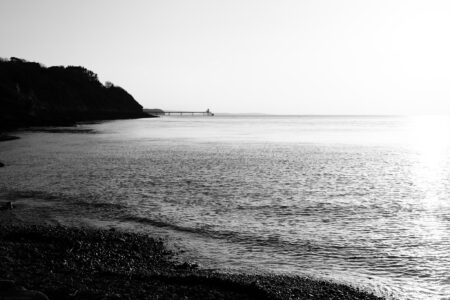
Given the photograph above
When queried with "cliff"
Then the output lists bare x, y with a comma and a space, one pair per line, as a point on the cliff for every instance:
34, 95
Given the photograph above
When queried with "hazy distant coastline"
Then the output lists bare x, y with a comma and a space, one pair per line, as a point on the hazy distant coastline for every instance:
34, 95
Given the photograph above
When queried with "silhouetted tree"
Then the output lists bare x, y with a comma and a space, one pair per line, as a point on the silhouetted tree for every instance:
32, 94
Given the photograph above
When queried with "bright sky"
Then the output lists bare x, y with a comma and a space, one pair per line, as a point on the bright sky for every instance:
287, 57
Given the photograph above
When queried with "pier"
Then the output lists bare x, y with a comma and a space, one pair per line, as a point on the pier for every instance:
160, 112
188, 113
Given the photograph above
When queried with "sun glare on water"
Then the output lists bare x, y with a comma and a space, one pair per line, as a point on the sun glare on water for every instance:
429, 142
429, 138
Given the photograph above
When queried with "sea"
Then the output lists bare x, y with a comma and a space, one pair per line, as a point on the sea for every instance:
359, 200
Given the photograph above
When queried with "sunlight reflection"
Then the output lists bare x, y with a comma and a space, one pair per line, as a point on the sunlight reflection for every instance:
429, 144
429, 141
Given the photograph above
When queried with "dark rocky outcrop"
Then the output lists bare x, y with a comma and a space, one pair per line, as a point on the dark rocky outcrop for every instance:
34, 95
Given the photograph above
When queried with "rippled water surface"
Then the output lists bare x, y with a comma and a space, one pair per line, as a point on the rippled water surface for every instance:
361, 200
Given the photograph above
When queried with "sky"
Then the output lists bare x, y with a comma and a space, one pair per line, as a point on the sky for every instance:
247, 56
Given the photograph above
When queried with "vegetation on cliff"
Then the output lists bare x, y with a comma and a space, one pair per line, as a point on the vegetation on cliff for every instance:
32, 94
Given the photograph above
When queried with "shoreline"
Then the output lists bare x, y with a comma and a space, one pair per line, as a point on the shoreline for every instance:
86, 263
49, 124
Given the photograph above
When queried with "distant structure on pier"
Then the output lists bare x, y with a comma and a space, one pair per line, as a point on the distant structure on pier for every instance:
160, 112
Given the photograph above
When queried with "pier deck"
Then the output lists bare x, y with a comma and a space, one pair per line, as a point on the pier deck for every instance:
190, 113
160, 112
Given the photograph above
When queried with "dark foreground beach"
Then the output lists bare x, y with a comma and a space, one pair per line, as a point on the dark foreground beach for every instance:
87, 263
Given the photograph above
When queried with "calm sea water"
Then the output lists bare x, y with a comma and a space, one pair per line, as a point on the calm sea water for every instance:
360, 200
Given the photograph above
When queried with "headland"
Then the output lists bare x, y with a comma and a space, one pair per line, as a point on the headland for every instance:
34, 95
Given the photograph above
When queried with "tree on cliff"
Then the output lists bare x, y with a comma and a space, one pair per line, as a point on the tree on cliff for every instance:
32, 94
